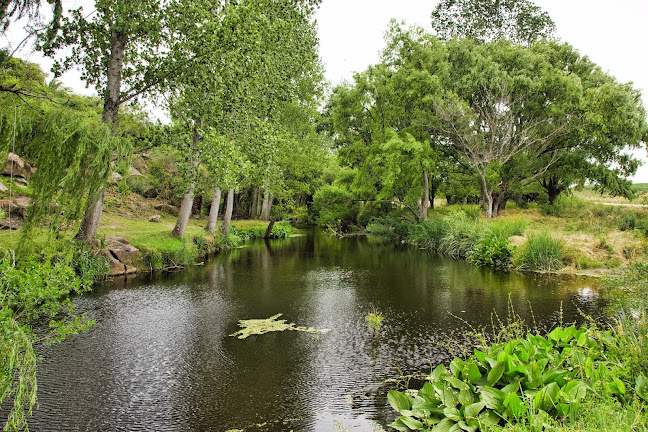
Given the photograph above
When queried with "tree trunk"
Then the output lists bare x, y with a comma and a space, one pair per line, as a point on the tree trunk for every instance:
267, 203
91, 219
196, 208
112, 94
433, 191
227, 218
183, 215
213, 212
255, 203
448, 200
425, 200
269, 229
187, 200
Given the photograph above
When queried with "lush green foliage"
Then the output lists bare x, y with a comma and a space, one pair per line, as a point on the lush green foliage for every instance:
35, 308
527, 380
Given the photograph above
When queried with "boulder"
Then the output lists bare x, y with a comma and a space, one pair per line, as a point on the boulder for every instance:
17, 167
155, 218
17, 206
167, 208
133, 171
115, 177
121, 249
13, 224
116, 267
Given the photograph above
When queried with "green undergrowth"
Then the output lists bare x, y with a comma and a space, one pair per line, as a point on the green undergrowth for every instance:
464, 235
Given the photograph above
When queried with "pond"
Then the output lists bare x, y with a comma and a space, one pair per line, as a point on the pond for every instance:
160, 357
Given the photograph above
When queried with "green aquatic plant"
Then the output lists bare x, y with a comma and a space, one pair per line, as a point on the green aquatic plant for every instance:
374, 320
273, 324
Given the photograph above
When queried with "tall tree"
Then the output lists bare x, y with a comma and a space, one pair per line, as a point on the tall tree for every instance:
125, 49
519, 21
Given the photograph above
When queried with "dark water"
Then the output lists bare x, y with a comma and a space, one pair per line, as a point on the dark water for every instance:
160, 358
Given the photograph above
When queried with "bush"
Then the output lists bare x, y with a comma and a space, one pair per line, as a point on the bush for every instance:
564, 206
333, 207
541, 252
492, 252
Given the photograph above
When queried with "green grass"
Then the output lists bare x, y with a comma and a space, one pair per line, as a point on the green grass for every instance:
541, 252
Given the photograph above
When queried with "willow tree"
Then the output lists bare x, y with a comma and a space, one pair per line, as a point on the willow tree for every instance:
126, 49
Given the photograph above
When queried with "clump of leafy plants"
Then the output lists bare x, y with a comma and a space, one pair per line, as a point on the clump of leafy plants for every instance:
374, 321
527, 380
541, 252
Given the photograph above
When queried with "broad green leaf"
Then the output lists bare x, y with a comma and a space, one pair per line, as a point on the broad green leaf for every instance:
399, 425
473, 373
466, 397
411, 423
399, 401
472, 411
641, 387
444, 425
438, 372
453, 414
464, 427
456, 367
492, 397
427, 392
496, 373
514, 403
456, 383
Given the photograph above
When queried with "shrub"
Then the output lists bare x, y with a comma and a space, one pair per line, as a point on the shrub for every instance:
333, 206
492, 251
541, 252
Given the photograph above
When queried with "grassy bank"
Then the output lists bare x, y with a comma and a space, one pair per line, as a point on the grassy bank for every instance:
575, 235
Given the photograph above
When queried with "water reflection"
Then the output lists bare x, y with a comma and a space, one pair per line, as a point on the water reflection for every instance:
160, 357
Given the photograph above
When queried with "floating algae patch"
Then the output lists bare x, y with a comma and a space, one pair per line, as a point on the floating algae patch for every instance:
261, 326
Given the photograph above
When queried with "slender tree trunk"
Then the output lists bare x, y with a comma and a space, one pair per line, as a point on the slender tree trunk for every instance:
487, 196
227, 218
185, 212
91, 219
118, 41
213, 212
425, 200
269, 229
255, 203
187, 200
267, 203
433, 191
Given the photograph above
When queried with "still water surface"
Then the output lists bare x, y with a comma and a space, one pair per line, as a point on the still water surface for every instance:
160, 357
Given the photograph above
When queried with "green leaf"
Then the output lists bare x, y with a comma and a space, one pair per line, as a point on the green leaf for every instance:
399, 401
456, 367
496, 373
466, 397
453, 414
438, 372
399, 425
411, 423
493, 398
427, 392
444, 425
641, 387
514, 404
473, 373
456, 383
472, 411
467, 428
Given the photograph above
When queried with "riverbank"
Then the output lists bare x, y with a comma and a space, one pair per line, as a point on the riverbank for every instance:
574, 236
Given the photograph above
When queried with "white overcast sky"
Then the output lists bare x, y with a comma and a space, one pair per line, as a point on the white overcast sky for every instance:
614, 34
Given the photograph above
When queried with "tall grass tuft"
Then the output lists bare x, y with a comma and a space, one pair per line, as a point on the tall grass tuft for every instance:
542, 252
462, 235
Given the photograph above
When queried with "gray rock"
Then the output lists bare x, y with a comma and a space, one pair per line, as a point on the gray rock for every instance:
155, 218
